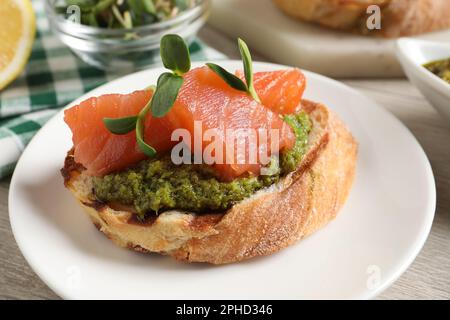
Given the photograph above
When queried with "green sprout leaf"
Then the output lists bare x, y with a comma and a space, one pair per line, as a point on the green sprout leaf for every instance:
92, 20
228, 77
234, 81
148, 150
149, 7
118, 16
175, 54
166, 93
181, 4
127, 20
136, 6
120, 125
248, 68
83, 4
103, 5
111, 14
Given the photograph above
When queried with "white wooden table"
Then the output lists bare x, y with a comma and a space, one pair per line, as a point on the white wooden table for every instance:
429, 275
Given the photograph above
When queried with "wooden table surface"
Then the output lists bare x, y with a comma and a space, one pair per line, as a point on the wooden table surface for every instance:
429, 275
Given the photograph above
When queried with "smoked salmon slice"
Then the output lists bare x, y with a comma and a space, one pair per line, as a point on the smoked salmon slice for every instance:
280, 91
204, 99
102, 152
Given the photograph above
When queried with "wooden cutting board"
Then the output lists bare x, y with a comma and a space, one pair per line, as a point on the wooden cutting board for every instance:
288, 41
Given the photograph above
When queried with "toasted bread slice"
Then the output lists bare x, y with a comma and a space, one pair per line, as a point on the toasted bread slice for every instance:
398, 17
269, 221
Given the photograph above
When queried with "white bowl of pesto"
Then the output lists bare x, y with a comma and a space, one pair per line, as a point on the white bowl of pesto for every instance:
413, 55
373, 240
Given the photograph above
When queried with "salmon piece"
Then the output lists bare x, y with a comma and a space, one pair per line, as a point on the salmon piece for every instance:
206, 98
102, 152
280, 91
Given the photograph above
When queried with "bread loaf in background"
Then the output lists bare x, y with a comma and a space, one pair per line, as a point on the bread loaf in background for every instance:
398, 17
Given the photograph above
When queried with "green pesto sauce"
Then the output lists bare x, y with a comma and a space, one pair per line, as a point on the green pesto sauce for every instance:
440, 68
301, 124
157, 185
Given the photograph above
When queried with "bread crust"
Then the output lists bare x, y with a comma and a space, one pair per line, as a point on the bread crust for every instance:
267, 222
398, 17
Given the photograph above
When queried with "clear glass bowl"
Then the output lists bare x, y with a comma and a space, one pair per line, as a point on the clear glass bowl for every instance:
121, 50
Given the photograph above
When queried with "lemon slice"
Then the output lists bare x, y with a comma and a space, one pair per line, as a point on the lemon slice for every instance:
18, 26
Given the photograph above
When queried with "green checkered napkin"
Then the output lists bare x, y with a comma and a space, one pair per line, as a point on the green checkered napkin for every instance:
53, 78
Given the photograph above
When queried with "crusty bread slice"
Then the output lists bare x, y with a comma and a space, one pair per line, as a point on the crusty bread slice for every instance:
398, 17
269, 221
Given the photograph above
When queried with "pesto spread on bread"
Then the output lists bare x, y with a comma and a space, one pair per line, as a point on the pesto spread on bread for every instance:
156, 184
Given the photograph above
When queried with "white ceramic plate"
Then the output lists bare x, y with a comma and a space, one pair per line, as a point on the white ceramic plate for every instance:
377, 235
